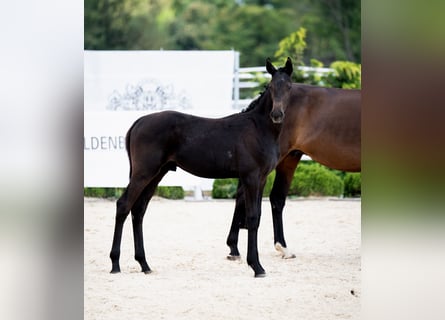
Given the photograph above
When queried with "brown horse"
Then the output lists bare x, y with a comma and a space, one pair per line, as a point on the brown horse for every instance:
323, 123
243, 145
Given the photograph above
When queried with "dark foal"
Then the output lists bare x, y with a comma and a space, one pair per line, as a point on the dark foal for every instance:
243, 145
324, 123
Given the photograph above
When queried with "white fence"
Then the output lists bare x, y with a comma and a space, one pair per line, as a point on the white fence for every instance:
244, 78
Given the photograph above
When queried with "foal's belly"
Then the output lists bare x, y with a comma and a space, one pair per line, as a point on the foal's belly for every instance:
209, 164
208, 170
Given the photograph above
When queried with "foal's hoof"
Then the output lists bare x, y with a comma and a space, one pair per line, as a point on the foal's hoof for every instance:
260, 275
233, 258
147, 271
115, 271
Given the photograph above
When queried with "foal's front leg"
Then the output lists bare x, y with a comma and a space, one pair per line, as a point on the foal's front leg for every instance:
239, 219
253, 194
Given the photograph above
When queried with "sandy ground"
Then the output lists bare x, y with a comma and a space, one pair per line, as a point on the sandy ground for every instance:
192, 279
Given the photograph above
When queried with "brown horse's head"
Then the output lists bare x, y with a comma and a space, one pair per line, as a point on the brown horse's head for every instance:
280, 87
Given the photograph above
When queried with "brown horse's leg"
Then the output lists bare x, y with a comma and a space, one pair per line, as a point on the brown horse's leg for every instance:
283, 178
239, 219
253, 193
137, 213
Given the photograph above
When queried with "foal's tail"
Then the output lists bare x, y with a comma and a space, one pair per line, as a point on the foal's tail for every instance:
127, 142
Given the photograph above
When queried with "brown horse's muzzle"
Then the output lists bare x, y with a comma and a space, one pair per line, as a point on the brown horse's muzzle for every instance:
277, 115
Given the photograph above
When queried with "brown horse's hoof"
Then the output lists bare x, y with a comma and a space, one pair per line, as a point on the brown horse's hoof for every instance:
260, 275
147, 271
115, 271
285, 254
233, 258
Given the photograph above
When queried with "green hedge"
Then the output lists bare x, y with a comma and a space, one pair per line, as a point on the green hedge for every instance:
353, 184
164, 192
269, 184
226, 188
103, 192
175, 193
310, 179
315, 180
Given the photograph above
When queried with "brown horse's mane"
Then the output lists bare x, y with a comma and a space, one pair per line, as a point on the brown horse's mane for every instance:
255, 102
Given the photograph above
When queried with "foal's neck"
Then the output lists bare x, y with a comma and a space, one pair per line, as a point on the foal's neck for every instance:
263, 109
264, 104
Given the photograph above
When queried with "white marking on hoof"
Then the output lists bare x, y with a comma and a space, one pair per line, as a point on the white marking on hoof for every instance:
233, 258
284, 252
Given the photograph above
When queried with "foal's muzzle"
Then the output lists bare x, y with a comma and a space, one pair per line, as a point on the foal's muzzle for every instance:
277, 115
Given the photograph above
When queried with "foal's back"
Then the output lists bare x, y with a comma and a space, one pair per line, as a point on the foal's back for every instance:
206, 147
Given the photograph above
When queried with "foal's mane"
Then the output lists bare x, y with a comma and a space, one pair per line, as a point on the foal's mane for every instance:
255, 102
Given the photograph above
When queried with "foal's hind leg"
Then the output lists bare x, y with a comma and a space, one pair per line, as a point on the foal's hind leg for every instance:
137, 213
283, 178
123, 207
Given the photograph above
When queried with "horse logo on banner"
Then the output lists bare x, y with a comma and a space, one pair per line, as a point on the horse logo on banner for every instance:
148, 95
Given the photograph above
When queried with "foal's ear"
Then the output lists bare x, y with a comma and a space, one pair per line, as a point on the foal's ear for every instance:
269, 67
288, 67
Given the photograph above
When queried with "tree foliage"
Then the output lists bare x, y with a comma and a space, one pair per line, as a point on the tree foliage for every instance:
293, 46
127, 24
252, 27
346, 74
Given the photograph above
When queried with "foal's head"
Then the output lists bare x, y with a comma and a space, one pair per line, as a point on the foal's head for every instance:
279, 87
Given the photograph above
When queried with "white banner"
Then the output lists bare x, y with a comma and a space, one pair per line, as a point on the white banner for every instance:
121, 86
